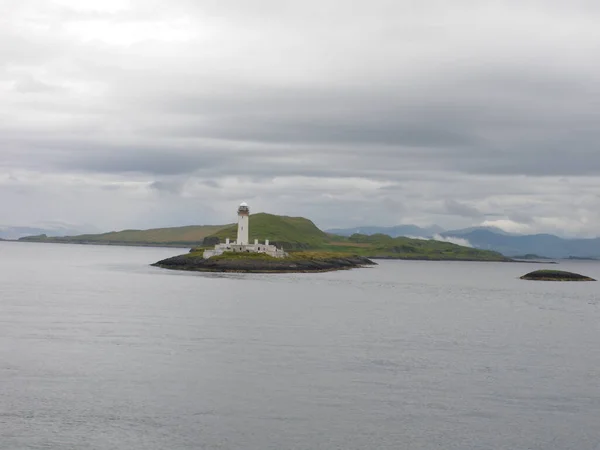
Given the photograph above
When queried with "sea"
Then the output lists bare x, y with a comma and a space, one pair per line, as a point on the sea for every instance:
99, 350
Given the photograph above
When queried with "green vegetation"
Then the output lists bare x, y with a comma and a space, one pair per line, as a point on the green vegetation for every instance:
384, 246
530, 256
239, 256
555, 275
294, 256
175, 237
287, 232
293, 234
318, 256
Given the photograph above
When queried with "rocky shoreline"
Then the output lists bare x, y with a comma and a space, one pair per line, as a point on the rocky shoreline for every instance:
271, 265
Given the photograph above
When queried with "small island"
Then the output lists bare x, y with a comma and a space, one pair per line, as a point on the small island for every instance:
242, 256
555, 275
300, 262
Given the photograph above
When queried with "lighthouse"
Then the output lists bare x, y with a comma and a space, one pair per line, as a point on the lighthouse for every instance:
242, 244
243, 224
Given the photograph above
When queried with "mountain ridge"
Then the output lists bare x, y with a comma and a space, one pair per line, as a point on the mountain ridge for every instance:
509, 244
394, 231
549, 245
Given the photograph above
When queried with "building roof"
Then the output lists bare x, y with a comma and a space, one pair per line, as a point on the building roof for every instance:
243, 204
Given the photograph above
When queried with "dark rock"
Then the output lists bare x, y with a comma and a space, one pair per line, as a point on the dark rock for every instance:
271, 265
555, 275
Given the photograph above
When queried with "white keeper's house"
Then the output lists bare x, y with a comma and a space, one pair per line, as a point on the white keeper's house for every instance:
241, 244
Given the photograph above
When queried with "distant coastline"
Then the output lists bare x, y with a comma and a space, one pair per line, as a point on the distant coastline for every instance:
298, 233
371, 257
181, 246
104, 243
291, 234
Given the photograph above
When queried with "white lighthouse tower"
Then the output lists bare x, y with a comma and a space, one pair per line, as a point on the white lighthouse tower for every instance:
242, 244
243, 224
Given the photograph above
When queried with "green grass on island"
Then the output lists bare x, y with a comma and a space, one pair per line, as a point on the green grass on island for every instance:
293, 234
231, 255
293, 256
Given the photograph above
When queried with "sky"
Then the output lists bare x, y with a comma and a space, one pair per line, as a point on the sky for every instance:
148, 113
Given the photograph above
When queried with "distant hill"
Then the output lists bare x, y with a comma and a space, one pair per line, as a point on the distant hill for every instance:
539, 244
381, 245
464, 231
395, 231
299, 233
494, 239
176, 237
291, 233
13, 232
531, 256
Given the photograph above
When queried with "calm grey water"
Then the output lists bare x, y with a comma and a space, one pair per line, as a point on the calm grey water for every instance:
100, 351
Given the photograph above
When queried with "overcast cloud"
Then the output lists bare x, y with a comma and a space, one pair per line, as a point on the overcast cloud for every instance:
146, 113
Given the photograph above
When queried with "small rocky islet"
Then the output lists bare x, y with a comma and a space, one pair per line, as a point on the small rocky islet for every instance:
555, 275
301, 262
